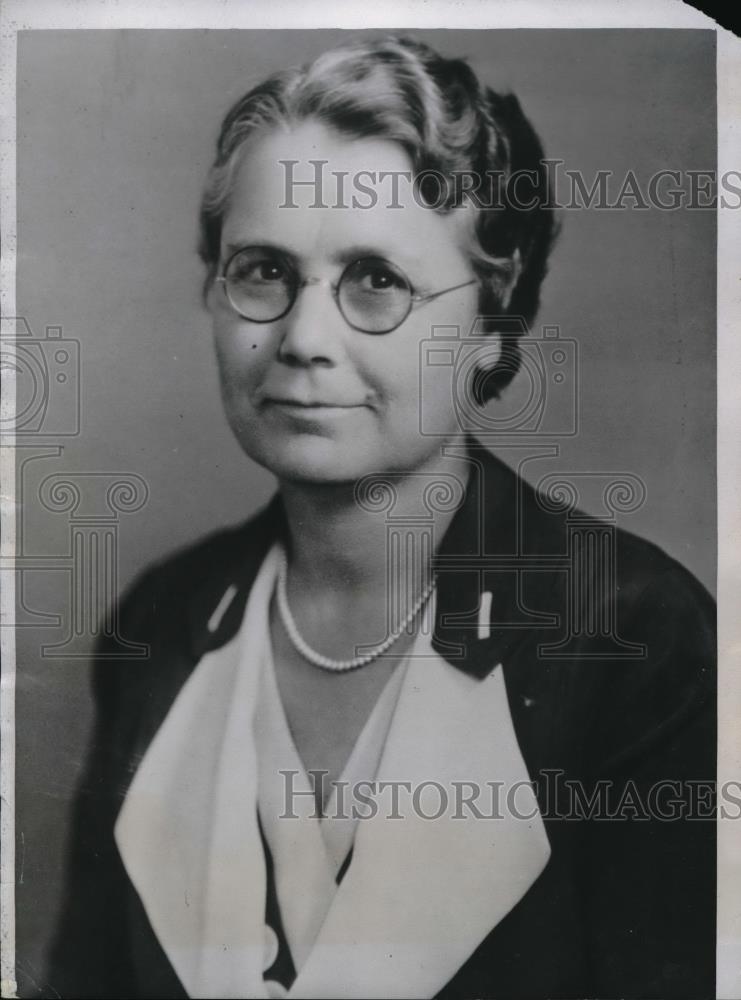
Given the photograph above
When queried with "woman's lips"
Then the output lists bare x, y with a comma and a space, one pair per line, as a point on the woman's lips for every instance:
313, 411
311, 405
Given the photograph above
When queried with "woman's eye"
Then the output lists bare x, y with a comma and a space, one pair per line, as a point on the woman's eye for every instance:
378, 278
250, 269
269, 270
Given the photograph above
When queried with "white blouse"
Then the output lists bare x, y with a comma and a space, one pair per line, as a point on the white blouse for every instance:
308, 852
418, 896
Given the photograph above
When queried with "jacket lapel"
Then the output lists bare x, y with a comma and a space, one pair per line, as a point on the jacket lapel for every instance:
421, 894
500, 543
188, 832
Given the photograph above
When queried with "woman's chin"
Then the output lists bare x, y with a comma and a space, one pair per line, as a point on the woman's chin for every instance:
316, 460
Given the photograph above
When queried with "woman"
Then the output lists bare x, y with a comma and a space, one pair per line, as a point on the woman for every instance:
406, 615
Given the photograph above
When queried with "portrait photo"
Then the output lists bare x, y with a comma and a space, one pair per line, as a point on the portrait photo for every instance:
365, 545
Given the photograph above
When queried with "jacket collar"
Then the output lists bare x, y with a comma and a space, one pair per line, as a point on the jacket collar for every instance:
499, 523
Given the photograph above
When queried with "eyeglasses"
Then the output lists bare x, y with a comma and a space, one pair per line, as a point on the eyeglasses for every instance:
373, 295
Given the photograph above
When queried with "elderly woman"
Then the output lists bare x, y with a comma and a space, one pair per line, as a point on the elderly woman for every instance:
379, 747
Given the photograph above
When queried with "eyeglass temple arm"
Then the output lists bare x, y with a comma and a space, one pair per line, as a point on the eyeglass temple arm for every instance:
434, 295
300, 284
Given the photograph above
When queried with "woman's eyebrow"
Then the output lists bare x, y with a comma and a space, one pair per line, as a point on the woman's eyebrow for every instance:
232, 247
395, 255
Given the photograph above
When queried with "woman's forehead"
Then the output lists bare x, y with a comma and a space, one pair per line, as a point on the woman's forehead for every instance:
310, 188
311, 164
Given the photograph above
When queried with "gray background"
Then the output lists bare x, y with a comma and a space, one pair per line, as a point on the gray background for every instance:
115, 134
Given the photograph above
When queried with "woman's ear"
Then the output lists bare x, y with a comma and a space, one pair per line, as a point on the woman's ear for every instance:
209, 290
514, 277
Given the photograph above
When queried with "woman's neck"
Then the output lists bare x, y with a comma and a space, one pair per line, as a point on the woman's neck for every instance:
341, 540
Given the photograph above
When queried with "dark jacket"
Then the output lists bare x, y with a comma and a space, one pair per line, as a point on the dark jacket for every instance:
608, 650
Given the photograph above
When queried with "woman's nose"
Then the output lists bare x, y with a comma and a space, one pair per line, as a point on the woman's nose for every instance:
313, 329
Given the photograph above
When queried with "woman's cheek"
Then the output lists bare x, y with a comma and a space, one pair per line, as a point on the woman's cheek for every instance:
241, 357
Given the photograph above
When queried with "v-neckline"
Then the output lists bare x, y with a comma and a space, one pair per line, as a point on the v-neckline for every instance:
362, 762
372, 735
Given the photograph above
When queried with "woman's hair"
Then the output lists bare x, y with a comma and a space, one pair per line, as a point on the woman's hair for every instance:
451, 127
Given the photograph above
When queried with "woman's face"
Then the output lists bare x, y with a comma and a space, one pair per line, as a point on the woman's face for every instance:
308, 396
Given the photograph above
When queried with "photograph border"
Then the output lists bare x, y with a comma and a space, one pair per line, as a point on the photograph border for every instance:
108, 14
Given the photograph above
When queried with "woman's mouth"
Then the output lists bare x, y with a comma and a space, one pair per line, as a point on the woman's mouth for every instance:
299, 403
303, 410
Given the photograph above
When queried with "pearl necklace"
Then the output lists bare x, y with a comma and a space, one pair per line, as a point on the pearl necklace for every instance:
339, 666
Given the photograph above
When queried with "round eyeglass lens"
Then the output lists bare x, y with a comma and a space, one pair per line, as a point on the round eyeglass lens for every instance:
374, 296
259, 284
